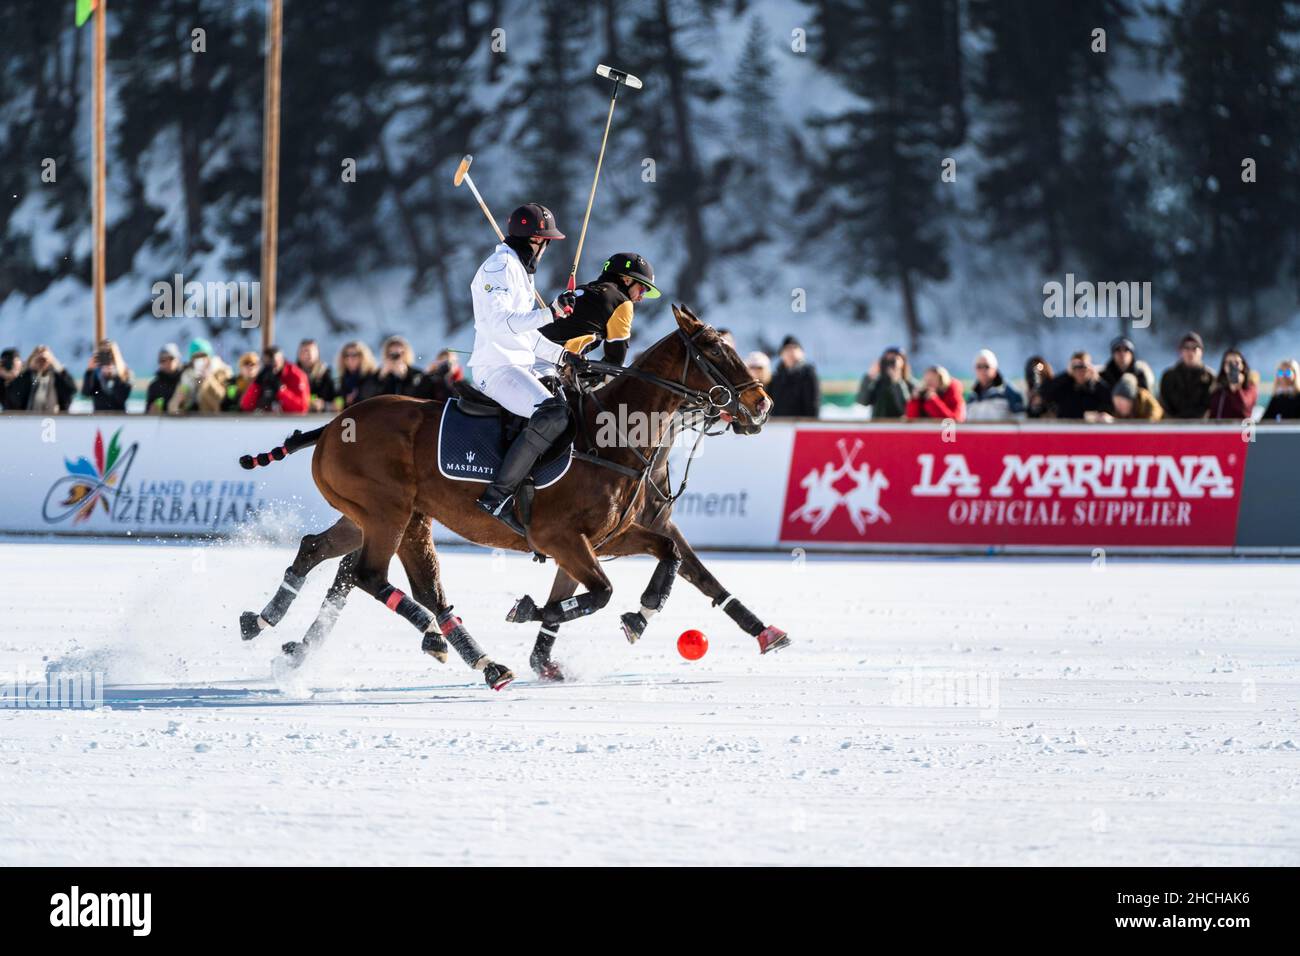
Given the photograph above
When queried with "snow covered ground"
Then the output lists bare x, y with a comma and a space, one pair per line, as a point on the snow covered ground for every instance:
929, 712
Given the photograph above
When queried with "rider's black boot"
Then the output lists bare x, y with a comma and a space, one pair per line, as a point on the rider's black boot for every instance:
546, 425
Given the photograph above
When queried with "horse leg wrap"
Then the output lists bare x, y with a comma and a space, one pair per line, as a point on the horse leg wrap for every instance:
545, 641
326, 618
403, 606
661, 583
274, 611
740, 614
570, 609
454, 631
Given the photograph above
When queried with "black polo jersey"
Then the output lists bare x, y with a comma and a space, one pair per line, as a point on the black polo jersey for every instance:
602, 312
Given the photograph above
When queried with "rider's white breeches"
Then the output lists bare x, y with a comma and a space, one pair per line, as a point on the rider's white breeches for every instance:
517, 389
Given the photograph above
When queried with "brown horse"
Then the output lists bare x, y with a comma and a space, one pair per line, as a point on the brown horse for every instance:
344, 537
389, 486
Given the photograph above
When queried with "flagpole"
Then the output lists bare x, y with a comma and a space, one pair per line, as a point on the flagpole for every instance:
271, 167
98, 177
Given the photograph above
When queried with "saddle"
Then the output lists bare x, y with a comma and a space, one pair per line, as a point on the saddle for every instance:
476, 432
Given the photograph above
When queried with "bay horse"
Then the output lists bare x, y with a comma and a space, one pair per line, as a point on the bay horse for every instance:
344, 537
389, 487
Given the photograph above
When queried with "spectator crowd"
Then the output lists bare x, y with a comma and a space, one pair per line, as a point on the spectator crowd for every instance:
198, 380
1123, 388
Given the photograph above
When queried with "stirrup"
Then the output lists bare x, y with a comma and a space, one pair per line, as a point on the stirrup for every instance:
503, 511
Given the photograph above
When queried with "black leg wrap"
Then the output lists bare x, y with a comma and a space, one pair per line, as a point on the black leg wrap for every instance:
406, 608
743, 617
542, 646
570, 609
661, 583
460, 638
274, 612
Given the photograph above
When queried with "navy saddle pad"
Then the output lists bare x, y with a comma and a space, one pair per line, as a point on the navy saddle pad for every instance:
470, 449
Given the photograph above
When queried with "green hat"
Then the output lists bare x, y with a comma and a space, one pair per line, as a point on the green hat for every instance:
199, 347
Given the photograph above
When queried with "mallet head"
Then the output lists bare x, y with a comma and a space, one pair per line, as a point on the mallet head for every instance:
462, 169
619, 76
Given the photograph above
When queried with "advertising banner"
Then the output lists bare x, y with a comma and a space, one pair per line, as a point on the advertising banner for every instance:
994, 487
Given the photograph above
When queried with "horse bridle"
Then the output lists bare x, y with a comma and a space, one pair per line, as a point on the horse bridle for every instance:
721, 396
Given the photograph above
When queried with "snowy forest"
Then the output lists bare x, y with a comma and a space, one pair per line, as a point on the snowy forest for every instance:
857, 171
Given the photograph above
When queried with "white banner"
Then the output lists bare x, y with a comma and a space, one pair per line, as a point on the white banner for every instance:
152, 475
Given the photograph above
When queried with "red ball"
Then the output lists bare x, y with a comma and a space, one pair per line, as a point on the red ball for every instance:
692, 645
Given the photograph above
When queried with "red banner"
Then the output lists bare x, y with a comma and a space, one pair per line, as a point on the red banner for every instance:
964, 485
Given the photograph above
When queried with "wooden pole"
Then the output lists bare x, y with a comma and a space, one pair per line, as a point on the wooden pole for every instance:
97, 176
271, 167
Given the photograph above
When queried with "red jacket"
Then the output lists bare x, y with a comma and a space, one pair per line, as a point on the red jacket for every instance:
946, 404
1238, 405
293, 397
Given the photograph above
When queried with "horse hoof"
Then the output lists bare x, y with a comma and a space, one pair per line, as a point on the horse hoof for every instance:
295, 652
248, 626
497, 676
634, 625
772, 639
525, 609
547, 670
435, 647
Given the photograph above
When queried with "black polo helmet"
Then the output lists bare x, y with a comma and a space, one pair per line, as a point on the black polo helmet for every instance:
533, 221
634, 267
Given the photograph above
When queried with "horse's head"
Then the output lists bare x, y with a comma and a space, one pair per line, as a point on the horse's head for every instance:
713, 367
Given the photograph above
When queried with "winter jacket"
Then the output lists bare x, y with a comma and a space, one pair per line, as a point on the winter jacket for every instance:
377, 383
1145, 408
1185, 391
321, 382
291, 397
505, 318
440, 384
1281, 406
795, 392
1236, 405
202, 395
885, 397
19, 393
998, 400
108, 395
1140, 370
161, 390
1072, 400
946, 404
235, 392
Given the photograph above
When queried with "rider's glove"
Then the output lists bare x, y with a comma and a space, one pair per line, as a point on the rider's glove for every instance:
563, 304
574, 361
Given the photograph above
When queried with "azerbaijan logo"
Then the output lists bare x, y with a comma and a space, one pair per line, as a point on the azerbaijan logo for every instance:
90, 483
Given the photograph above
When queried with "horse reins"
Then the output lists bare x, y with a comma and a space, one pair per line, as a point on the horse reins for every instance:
699, 401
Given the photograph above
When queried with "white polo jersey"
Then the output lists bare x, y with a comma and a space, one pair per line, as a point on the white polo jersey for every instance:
505, 320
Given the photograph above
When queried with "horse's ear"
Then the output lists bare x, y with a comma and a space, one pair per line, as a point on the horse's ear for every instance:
686, 320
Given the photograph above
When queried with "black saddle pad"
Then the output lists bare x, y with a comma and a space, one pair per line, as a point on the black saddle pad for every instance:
470, 449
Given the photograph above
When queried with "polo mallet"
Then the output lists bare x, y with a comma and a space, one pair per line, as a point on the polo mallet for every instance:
462, 175
620, 79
